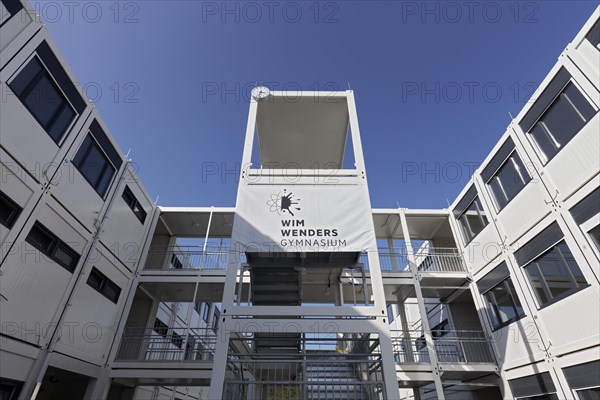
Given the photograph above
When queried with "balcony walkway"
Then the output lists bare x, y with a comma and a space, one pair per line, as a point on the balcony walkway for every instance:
155, 356
441, 272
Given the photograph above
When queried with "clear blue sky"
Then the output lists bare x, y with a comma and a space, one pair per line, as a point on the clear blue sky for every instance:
434, 81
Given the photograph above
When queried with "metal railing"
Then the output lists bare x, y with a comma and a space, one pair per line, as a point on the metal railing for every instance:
166, 344
409, 347
452, 347
392, 260
434, 259
457, 347
440, 259
431, 259
189, 258
321, 366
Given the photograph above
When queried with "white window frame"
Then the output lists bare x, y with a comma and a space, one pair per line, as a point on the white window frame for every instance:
586, 227
4, 13
60, 88
488, 183
537, 395
530, 137
576, 391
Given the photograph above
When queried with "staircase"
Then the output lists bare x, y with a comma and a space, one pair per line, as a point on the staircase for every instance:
331, 378
274, 285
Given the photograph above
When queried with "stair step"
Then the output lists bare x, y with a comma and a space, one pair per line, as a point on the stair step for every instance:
336, 377
279, 287
271, 270
332, 368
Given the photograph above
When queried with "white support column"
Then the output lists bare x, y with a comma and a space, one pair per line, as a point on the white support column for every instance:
388, 363
32, 384
220, 361
355, 132
406, 329
422, 309
385, 342
392, 251
97, 389
203, 264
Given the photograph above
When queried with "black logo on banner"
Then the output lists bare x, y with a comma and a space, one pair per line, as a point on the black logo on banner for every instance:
283, 202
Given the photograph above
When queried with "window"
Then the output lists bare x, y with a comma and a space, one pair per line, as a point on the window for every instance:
390, 313
470, 215
134, 204
48, 93
586, 214
215, 321
46, 242
569, 112
505, 175
550, 266
103, 285
198, 307
558, 114
8, 8
175, 262
499, 293
9, 389
538, 387
441, 329
9, 211
584, 380
588, 394
161, 328
177, 340
594, 35
594, 234
420, 343
189, 347
205, 313
97, 160
200, 351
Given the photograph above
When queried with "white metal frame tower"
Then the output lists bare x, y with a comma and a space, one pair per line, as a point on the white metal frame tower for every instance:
322, 112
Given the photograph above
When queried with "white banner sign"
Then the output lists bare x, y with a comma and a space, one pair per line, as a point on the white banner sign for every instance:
304, 218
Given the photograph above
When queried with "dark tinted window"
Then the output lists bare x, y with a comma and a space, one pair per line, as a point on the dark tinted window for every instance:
473, 220
160, 327
8, 8
555, 274
504, 304
205, 313
94, 165
46, 242
177, 340
565, 116
9, 389
9, 211
39, 92
103, 285
508, 180
595, 235
594, 35
40, 238
175, 262
215, 321
134, 204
